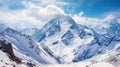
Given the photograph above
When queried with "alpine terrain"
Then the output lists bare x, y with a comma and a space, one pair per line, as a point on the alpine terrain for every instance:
61, 43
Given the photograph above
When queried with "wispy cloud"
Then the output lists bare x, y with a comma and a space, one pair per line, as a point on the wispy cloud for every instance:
48, 2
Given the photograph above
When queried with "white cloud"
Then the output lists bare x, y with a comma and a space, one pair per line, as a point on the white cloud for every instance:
109, 18
36, 16
46, 13
88, 20
32, 16
17, 19
99, 24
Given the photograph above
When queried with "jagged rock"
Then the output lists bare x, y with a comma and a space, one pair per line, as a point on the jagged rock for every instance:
7, 48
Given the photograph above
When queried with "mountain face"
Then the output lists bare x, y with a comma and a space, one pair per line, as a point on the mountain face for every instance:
22, 49
73, 42
60, 34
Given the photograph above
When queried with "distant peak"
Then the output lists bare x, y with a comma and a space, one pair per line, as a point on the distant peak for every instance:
9, 29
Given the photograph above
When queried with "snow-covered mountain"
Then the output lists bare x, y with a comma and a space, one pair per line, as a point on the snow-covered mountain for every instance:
62, 35
61, 42
25, 48
11, 56
73, 42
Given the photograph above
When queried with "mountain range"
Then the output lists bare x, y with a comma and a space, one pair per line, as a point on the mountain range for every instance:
61, 42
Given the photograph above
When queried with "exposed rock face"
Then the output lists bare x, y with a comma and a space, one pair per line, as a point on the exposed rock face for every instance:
7, 48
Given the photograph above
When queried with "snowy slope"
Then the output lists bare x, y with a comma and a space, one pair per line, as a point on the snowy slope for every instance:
27, 49
110, 58
73, 42
8, 57
83, 64
5, 61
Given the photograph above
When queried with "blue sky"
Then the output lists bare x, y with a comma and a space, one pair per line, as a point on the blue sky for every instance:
92, 8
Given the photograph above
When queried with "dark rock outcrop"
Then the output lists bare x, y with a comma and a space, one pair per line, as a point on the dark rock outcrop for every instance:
7, 48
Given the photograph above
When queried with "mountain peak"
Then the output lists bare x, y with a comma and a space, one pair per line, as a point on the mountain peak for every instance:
54, 25
61, 33
61, 19
8, 29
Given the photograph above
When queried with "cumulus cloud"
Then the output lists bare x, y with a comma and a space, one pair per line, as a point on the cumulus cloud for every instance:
45, 13
32, 16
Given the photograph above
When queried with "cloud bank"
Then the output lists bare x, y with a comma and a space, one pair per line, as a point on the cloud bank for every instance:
32, 15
